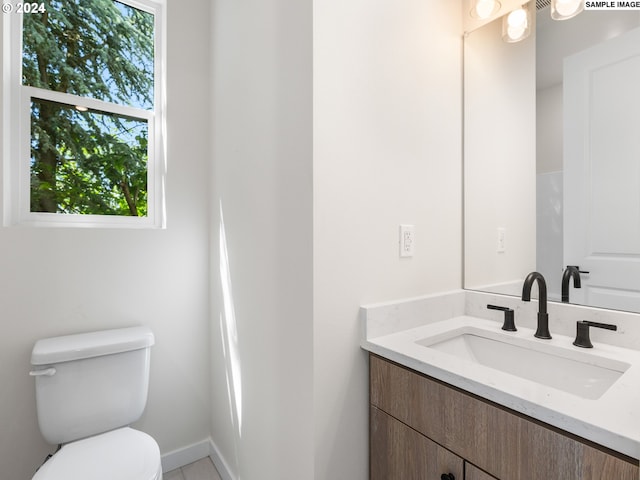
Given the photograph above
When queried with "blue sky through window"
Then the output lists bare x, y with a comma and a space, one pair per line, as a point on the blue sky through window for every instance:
102, 49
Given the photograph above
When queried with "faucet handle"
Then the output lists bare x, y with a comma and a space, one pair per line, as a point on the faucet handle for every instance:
582, 332
509, 321
577, 267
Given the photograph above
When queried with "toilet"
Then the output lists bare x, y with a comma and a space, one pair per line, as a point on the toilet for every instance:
89, 388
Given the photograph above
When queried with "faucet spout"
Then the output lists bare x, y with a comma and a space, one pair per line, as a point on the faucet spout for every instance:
570, 272
543, 317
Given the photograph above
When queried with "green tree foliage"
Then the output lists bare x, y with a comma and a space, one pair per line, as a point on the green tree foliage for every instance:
89, 162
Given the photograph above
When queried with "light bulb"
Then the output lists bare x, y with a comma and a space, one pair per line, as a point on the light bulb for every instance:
516, 25
515, 32
517, 18
485, 8
565, 9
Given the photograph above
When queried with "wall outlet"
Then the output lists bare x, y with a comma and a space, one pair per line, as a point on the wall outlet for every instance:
407, 240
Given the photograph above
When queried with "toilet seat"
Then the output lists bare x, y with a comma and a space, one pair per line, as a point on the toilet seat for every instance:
123, 454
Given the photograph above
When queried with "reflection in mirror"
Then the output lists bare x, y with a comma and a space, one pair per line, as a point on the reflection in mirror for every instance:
499, 160
532, 152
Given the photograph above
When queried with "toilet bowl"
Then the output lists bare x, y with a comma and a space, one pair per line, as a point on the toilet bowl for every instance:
122, 454
89, 388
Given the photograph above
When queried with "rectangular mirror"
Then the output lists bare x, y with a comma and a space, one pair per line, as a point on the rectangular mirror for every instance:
552, 157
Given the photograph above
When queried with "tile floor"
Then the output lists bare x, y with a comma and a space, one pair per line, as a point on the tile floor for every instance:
201, 470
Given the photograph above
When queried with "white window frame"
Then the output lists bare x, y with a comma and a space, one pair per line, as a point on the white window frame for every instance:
16, 133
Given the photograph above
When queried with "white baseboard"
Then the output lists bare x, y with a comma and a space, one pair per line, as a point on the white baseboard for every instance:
218, 461
185, 455
194, 452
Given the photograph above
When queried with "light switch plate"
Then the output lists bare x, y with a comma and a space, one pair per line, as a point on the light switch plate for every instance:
501, 240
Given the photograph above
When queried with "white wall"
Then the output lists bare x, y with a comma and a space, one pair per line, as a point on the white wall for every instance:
262, 349
383, 149
387, 150
60, 281
500, 157
329, 125
549, 188
549, 231
549, 129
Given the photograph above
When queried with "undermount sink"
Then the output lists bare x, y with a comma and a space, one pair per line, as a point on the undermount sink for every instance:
580, 373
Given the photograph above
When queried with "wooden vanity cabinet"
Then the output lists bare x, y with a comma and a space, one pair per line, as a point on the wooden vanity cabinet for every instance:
421, 428
399, 452
471, 472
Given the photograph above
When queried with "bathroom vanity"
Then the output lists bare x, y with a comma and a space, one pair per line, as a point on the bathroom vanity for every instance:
437, 415
423, 428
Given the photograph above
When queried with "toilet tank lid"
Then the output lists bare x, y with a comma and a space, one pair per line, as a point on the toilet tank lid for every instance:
93, 344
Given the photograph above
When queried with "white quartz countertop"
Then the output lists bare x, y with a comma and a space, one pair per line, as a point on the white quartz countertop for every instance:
612, 420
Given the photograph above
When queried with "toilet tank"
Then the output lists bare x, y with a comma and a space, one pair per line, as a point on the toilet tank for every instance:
90, 383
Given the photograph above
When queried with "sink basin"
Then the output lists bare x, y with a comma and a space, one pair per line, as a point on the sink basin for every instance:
580, 373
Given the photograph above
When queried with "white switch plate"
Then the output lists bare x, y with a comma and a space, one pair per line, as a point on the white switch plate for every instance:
407, 240
501, 240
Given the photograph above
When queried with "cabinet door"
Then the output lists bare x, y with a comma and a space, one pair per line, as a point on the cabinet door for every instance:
471, 472
397, 452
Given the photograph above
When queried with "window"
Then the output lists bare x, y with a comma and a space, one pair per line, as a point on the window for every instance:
83, 117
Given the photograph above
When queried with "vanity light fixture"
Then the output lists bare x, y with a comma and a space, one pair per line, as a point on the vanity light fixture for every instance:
484, 8
566, 9
516, 25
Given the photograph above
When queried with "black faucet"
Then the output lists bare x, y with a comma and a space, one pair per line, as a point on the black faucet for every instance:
570, 271
509, 323
582, 332
543, 317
